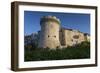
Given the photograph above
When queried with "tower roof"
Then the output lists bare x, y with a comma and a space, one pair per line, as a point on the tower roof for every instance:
49, 18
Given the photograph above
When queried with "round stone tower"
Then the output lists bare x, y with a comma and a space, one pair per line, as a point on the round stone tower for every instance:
49, 34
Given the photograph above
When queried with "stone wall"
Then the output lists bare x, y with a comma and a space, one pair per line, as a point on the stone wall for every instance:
71, 37
53, 36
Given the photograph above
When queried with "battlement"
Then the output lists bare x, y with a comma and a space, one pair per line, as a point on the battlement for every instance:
49, 18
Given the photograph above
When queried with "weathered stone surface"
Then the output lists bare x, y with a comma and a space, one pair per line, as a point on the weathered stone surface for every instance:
53, 36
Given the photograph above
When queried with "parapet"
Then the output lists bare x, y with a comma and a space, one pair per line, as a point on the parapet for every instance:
49, 18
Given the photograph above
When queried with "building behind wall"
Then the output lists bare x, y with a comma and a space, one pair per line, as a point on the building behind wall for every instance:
53, 36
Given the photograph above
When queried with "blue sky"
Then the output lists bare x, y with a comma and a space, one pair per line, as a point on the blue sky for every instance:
76, 21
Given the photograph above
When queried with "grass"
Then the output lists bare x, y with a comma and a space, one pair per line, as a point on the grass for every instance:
79, 51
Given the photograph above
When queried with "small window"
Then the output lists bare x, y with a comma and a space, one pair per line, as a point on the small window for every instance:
48, 36
76, 36
55, 36
60, 30
72, 40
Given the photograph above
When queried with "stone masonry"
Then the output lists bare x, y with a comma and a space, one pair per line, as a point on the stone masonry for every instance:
53, 36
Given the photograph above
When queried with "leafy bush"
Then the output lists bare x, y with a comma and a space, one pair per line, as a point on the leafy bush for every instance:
79, 51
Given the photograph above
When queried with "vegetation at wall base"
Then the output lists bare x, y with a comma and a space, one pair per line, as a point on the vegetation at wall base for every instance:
80, 51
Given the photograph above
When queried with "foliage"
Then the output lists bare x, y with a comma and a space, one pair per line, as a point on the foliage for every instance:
79, 51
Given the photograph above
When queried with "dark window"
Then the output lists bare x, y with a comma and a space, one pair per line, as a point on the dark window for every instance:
48, 36
72, 40
55, 36
60, 30
76, 36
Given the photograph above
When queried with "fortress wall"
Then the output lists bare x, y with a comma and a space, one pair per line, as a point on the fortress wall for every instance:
66, 38
82, 37
73, 37
62, 37
52, 35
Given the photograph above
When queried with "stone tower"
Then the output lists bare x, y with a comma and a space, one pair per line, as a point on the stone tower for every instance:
49, 33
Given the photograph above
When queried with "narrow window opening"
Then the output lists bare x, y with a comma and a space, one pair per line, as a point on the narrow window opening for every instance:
48, 36
72, 40
55, 36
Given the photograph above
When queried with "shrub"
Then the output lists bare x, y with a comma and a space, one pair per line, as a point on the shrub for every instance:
79, 51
